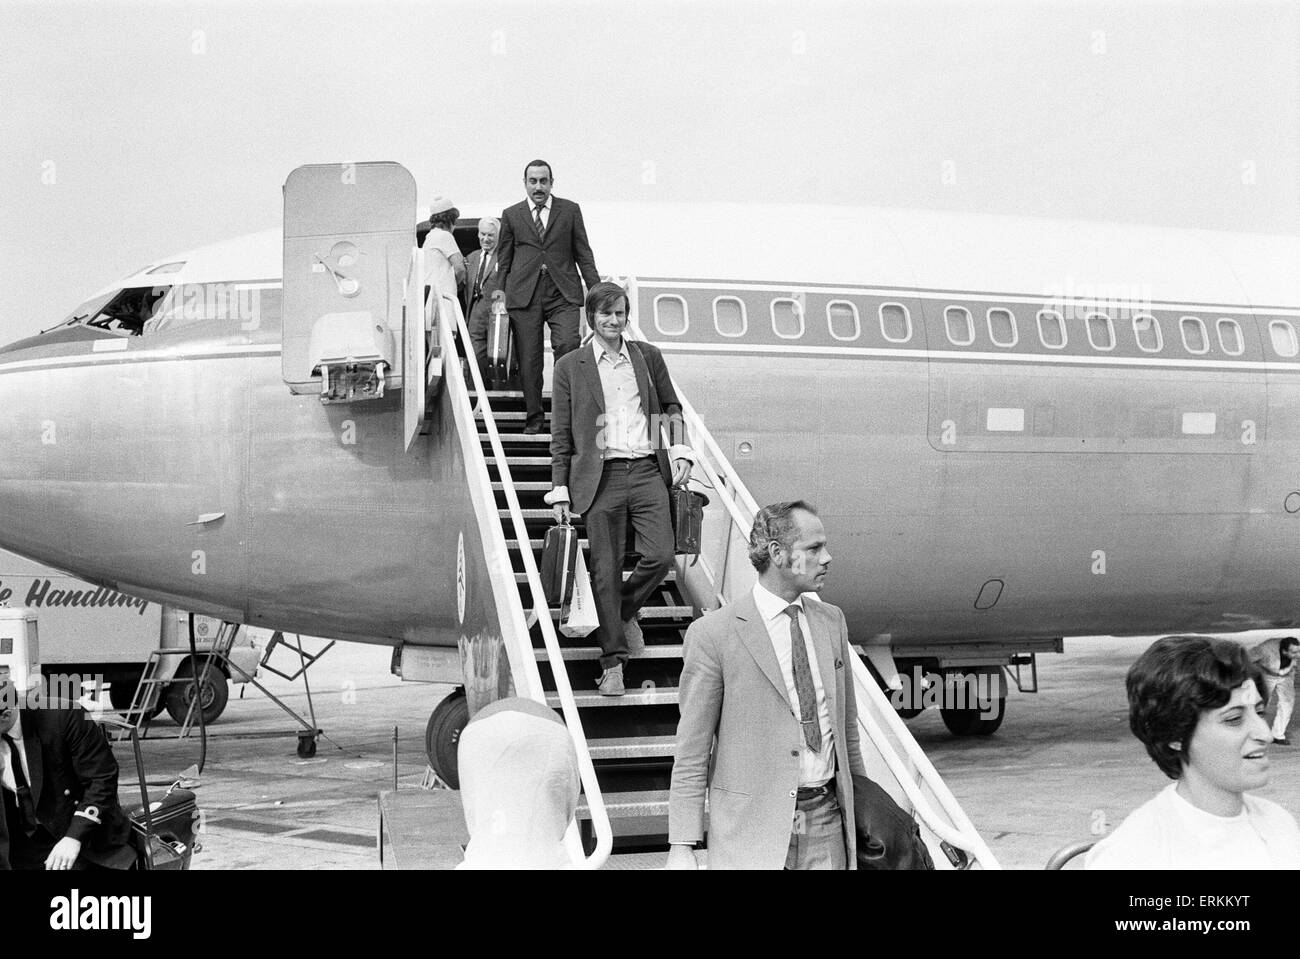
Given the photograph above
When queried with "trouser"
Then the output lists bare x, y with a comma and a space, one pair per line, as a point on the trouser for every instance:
25, 852
480, 323
630, 491
548, 306
1285, 688
817, 834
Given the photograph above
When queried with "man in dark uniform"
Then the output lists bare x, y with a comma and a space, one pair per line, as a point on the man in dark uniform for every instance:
543, 249
59, 786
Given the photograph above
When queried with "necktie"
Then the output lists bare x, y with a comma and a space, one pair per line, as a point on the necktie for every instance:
803, 683
478, 280
537, 220
25, 806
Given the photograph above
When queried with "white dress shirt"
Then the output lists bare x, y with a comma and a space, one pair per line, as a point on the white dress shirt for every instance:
815, 768
7, 774
624, 432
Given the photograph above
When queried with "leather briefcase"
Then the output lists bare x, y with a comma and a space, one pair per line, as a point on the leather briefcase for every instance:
559, 556
687, 507
501, 360
888, 838
172, 840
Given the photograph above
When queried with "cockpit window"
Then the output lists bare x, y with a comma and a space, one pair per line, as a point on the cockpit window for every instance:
250, 304
122, 311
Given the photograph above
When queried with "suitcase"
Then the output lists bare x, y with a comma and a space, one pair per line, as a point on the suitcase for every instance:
172, 839
559, 555
687, 508
501, 360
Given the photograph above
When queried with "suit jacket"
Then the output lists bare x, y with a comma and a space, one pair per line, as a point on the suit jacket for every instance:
578, 403
732, 688
564, 250
73, 778
480, 307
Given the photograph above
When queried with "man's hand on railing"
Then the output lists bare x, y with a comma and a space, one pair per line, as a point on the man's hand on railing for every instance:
682, 857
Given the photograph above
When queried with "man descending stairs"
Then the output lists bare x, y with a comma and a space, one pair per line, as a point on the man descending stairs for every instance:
631, 737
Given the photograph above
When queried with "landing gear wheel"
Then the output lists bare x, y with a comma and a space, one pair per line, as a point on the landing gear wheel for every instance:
973, 722
306, 744
442, 737
215, 692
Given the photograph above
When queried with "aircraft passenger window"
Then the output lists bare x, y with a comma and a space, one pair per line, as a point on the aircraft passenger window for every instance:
787, 318
959, 325
1101, 331
1146, 329
1230, 337
842, 318
1283, 336
1194, 335
729, 316
1002, 327
895, 322
1051, 329
670, 315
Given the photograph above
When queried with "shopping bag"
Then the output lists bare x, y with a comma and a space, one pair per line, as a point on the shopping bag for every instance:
582, 607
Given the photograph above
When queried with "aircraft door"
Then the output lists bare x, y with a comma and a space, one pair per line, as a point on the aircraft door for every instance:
349, 237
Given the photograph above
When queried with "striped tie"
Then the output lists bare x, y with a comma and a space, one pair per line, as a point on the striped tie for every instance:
803, 683
537, 220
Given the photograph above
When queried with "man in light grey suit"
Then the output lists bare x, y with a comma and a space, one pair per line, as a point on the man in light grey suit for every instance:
770, 676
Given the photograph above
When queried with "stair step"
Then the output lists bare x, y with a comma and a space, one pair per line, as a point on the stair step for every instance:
651, 612
635, 747
588, 653
519, 438
670, 578
587, 699
507, 416
536, 544
544, 461
652, 802
529, 513
507, 395
527, 487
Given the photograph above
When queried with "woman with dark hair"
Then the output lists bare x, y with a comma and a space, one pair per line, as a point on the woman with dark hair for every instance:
1196, 704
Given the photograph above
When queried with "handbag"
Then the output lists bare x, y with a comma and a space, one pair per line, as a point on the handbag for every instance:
582, 618
559, 557
501, 360
687, 509
888, 838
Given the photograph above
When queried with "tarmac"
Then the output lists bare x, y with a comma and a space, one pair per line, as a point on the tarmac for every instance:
1062, 768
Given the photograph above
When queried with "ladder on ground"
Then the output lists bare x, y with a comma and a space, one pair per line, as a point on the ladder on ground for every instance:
625, 744
147, 700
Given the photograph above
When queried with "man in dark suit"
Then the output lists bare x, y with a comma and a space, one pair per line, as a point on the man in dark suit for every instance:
59, 789
483, 271
608, 463
543, 249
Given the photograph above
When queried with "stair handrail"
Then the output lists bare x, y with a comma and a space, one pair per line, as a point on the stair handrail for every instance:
586, 769
742, 507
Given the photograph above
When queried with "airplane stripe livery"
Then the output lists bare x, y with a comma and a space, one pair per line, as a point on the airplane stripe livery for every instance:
1113, 441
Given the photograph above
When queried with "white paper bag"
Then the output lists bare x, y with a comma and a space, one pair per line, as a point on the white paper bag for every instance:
582, 607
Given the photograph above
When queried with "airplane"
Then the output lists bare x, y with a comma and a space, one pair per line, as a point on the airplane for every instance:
1015, 429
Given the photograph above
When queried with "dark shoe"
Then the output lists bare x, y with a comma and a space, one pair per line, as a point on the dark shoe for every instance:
532, 429
1281, 742
611, 681
635, 638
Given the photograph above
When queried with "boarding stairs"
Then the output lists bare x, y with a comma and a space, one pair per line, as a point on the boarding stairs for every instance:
625, 744
148, 699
